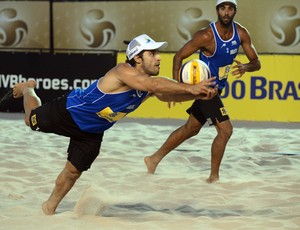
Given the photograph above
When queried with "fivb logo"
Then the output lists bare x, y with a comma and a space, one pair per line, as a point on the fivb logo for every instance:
12, 29
285, 26
96, 31
191, 21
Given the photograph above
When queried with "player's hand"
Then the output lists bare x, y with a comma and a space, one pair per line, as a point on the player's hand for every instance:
239, 69
204, 86
211, 92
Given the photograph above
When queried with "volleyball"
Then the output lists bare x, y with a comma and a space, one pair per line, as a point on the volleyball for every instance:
193, 72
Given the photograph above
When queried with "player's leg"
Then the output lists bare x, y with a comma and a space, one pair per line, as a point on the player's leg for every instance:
63, 184
224, 132
82, 152
30, 99
186, 131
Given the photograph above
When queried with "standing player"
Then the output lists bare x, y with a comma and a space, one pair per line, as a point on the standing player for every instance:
218, 44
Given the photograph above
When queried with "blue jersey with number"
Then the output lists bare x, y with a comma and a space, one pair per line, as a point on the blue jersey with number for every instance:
95, 111
220, 61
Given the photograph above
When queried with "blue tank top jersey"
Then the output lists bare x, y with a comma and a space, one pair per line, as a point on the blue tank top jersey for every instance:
95, 111
220, 62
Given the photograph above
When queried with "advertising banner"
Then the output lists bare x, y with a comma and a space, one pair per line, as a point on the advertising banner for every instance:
55, 74
273, 25
24, 25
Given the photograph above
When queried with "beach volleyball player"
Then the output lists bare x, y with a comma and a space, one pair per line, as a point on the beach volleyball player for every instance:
218, 44
84, 114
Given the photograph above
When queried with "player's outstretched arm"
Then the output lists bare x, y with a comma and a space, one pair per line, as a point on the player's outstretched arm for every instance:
204, 89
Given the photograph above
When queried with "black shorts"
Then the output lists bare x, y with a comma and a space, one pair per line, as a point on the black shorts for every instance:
53, 117
209, 110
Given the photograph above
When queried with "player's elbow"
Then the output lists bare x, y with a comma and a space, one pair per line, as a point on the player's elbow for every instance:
257, 65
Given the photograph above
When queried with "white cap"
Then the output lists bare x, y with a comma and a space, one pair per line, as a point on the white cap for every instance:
222, 1
142, 42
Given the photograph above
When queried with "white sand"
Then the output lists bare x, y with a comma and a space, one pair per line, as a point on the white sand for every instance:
259, 186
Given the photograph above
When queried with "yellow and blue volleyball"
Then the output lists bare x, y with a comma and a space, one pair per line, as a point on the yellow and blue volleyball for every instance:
193, 72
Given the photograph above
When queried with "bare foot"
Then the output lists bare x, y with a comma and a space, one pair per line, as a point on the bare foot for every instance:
46, 209
20, 88
211, 179
151, 166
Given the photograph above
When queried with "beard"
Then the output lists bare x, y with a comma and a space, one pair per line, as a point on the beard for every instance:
226, 20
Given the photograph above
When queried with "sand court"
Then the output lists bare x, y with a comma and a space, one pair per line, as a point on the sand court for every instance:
259, 185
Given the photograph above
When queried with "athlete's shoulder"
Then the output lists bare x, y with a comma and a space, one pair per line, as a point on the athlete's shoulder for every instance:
240, 28
122, 65
122, 69
206, 29
205, 33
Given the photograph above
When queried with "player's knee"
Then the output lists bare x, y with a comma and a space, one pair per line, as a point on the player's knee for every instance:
72, 172
229, 132
75, 173
226, 132
192, 130
70, 177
